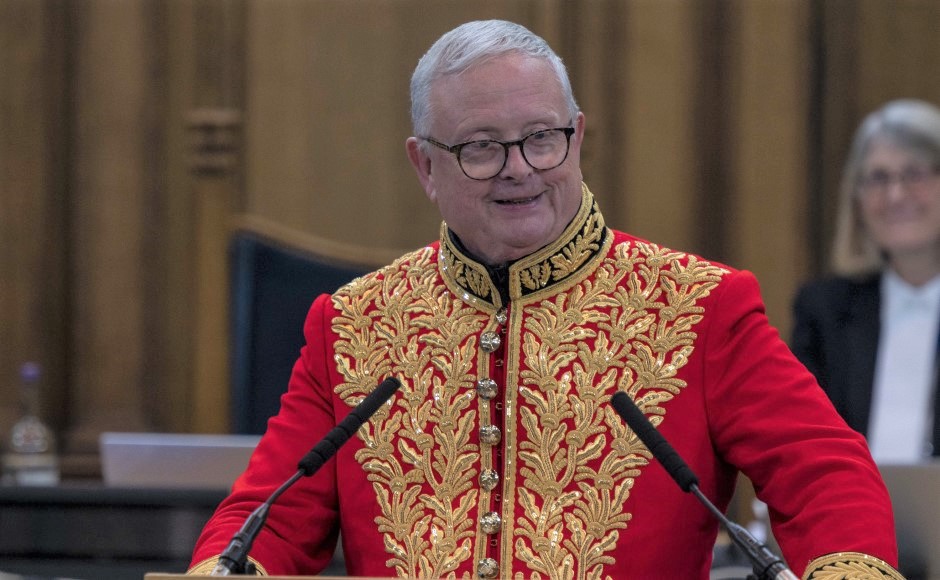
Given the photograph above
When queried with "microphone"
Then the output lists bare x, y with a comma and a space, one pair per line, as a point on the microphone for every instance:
765, 563
233, 559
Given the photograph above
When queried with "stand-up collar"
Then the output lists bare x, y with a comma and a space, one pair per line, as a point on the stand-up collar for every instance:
575, 252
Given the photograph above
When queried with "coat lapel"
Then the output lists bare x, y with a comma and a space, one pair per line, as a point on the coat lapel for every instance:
862, 326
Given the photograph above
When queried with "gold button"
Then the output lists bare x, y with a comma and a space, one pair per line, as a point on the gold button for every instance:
490, 523
489, 479
490, 435
487, 389
489, 341
487, 568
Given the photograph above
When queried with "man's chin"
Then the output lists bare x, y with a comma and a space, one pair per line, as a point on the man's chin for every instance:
520, 248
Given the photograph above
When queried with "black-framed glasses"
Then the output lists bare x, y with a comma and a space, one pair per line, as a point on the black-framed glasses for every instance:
909, 178
482, 160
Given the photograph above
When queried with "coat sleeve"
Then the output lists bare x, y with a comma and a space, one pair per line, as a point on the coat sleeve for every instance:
769, 418
301, 528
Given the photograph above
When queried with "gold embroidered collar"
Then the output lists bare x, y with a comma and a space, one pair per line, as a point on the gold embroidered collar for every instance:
572, 255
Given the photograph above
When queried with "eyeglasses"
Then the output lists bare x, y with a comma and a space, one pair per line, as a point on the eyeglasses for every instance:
909, 178
482, 160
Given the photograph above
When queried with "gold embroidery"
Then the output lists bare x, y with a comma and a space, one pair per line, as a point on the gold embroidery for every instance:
583, 240
591, 321
850, 566
466, 274
572, 482
536, 276
207, 566
423, 442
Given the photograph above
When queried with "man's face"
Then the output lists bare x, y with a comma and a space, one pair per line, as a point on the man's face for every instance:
521, 209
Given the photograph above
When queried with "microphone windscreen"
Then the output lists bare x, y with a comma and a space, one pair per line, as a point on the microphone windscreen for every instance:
332, 441
660, 448
371, 403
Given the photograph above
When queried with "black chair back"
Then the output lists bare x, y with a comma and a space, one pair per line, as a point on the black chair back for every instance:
272, 287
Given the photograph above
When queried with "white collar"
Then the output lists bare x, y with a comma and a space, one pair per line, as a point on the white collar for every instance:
900, 296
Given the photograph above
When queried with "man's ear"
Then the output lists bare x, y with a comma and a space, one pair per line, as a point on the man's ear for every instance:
421, 161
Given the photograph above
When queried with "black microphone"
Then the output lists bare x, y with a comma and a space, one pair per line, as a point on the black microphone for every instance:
766, 564
233, 559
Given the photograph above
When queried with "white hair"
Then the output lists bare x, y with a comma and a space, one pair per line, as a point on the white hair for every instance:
470, 44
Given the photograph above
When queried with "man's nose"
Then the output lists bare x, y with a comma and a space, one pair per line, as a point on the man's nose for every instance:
516, 165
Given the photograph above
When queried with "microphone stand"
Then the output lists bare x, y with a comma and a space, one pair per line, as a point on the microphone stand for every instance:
234, 560
766, 564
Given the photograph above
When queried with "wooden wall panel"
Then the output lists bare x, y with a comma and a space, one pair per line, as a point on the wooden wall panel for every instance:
173, 409
897, 45
33, 267
113, 170
655, 171
768, 146
595, 53
328, 113
215, 122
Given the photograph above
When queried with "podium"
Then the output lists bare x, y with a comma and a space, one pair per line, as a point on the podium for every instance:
159, 576
87, 530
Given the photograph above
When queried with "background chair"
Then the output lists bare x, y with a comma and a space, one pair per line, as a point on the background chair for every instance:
273, 286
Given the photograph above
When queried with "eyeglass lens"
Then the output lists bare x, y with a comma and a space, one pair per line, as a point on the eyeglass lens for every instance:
879, 180
545, 149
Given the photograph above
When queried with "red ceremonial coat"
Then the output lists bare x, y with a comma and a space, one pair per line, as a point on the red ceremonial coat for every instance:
500, 455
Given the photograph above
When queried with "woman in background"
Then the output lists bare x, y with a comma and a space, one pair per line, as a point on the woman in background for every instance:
870, 332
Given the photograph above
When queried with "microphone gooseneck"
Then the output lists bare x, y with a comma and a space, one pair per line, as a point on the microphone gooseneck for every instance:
233, 559
766, 564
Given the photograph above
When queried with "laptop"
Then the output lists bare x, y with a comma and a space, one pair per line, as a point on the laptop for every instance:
915, 496
174, 460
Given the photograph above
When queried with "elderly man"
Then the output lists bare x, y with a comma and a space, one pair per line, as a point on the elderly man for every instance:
500, 456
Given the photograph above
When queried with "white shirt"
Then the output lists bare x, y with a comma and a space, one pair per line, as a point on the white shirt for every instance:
902, 410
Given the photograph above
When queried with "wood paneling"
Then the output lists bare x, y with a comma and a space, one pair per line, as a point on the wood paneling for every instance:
113, 171
33, 256
327, 113
172, 409
651, 92
713, 126
216, 128
767, 145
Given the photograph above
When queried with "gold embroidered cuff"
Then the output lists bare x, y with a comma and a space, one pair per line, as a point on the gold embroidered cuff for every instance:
849, 566
206, 567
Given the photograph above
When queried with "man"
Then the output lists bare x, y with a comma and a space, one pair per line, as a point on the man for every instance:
500, 456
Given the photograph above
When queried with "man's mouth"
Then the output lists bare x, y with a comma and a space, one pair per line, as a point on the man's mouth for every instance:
520, 201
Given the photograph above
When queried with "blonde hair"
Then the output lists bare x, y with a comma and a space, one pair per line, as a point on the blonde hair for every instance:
907, 123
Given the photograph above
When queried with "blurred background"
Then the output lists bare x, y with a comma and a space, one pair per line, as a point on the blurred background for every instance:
136, 135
